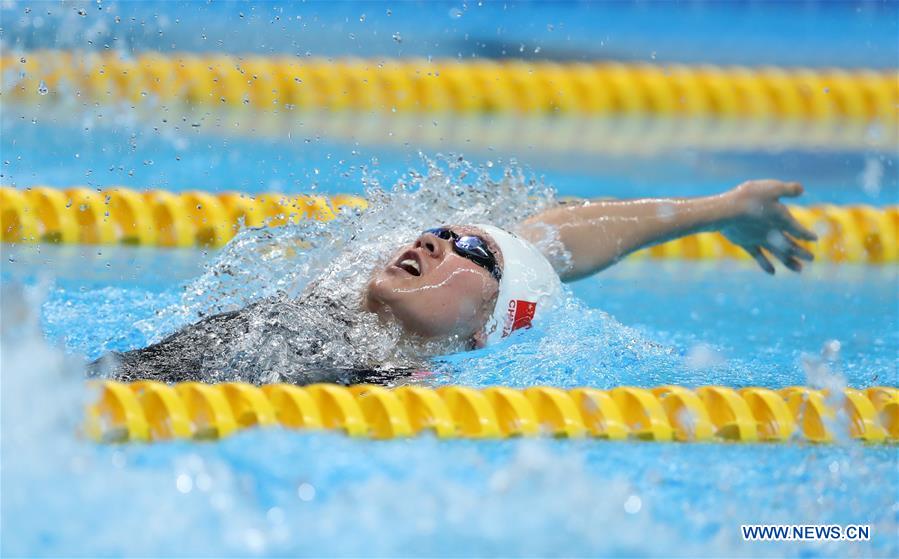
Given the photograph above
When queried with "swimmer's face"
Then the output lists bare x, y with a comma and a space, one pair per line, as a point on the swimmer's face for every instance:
434, 292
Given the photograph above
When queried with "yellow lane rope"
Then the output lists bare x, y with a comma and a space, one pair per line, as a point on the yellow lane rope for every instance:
196, 218
151, 411
152, 217
452, 85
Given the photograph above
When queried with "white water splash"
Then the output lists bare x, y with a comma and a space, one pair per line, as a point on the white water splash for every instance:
299, 287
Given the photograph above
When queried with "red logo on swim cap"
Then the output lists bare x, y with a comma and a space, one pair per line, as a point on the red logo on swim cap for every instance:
519, 315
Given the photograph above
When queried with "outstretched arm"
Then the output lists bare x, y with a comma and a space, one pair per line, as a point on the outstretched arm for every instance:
599, 233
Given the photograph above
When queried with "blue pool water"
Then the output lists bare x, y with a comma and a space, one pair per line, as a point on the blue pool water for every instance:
284, 493
118, 147
816, 34
644, 323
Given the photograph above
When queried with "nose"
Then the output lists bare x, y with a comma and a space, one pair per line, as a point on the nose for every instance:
433, 245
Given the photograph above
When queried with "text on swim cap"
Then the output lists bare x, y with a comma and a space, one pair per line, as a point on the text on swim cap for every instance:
519, 315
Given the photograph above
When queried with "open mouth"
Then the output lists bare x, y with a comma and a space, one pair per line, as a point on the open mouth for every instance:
409, 263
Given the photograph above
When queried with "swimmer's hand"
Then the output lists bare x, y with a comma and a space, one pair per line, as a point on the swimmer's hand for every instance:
760, 224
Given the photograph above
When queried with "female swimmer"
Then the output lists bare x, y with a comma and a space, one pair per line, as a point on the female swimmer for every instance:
455, 287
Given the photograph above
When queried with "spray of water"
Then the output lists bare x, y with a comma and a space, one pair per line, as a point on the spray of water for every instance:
285, 304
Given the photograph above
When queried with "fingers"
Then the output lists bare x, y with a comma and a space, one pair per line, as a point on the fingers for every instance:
792, 226
798, 250
785, 249
793, 264
786, 189
788, 260
776, 188
761, 259
792, 189
779, 249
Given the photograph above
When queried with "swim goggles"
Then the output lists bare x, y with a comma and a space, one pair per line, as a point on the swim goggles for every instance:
470, 247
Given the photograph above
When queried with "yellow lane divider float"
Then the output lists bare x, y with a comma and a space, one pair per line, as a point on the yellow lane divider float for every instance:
153, 217
196, 218
451, 85
151, 411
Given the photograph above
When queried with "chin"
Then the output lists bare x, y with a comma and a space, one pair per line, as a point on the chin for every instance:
373, 298
381, 287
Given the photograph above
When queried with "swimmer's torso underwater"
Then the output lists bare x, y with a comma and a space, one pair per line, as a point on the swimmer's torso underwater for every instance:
428, 270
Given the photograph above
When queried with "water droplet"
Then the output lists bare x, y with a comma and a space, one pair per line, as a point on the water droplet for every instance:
184, 483
82, 12
633, 504
362, 18
306, 492
42, 88
203, 482
397, 37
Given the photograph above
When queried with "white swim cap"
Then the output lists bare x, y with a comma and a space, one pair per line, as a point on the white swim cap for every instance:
528, 288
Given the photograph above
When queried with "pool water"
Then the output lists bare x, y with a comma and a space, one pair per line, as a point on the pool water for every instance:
284, 493
294, 151
276, 492
643, 323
